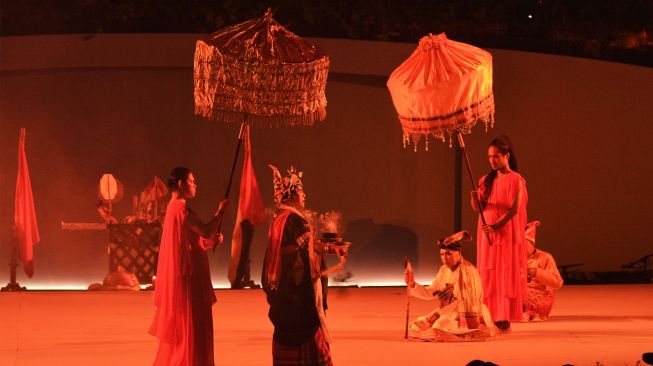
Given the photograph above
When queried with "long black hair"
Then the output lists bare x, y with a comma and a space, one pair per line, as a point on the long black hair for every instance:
504, 146
177, 174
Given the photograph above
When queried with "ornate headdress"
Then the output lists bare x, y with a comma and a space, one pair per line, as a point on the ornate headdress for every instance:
453, 242
285, 187
531, 228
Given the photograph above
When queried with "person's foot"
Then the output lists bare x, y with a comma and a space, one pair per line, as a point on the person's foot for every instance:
503, 325
244, 284
250, 284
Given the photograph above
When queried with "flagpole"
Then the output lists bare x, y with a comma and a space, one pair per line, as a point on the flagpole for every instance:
13, 264
25, 226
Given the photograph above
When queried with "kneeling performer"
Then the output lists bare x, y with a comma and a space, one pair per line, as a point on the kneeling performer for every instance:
459, 313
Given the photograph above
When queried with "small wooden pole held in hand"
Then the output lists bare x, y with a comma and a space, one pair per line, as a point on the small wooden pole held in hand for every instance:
409, 268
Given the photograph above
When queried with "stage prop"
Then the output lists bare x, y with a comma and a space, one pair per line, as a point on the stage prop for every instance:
151, 204
133, 248
637, 271
110, 191
328, 225
119, 279
260, 74
443, 88
25, 231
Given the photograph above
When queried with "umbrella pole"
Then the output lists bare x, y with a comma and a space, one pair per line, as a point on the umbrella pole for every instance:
458, 188
461, 142
233, 166
156, 206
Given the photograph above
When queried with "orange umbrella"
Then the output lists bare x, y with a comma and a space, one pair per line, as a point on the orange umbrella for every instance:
443, 88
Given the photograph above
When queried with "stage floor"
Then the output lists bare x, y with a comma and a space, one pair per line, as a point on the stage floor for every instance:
608, 324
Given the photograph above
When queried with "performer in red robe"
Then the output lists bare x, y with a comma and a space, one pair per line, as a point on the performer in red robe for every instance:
502, 264
183, 293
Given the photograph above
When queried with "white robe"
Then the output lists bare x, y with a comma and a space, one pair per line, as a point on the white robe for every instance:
450, 323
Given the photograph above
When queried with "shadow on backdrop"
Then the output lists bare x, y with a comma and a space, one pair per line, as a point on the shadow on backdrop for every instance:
378, 250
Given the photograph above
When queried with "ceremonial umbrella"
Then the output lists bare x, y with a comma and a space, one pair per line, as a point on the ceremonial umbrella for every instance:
259, 73
442, 89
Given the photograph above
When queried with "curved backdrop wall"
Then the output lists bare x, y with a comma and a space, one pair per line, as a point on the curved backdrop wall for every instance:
124, 104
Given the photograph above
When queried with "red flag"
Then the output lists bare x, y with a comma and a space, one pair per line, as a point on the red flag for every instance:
250, 212
25, 227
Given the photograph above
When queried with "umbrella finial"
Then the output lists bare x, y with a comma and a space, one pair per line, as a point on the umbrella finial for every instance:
268, 14
431, 41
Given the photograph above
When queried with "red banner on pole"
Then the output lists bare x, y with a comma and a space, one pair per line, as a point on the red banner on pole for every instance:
25, 227
250, 208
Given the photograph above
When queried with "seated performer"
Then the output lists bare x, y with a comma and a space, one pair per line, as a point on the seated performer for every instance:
292, 278
543, 278
459, 314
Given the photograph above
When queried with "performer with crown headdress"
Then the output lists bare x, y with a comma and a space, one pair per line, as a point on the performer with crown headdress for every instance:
292, 278
460, 314
543, 279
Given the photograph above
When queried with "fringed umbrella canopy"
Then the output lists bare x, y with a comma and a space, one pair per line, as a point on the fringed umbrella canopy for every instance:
260, 69
442, 88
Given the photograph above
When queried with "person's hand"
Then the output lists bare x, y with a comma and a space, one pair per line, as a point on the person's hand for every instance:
219, 239
446, 294
531, 272
475, 195
489, 228
342, 251
223, 205
409, 278
433, 317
